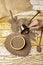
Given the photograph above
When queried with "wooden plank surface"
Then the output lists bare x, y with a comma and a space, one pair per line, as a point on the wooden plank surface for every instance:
6, 58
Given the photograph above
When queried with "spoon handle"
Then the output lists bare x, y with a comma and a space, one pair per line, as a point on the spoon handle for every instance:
34, 17
11, 14
40, 38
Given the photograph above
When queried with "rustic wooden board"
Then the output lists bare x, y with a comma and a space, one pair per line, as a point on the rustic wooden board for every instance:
6, 58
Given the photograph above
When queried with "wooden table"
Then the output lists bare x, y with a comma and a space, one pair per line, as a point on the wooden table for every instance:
6, 58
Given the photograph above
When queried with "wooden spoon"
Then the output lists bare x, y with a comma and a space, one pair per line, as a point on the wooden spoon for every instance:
39, 46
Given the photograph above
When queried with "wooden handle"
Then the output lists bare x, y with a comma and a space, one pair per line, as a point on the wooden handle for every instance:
34, 16
40, 38
11, 14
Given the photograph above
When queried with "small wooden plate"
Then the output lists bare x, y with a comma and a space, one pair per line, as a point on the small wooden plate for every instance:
17, 42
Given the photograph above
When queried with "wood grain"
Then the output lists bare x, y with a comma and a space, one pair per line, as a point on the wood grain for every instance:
6, 58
